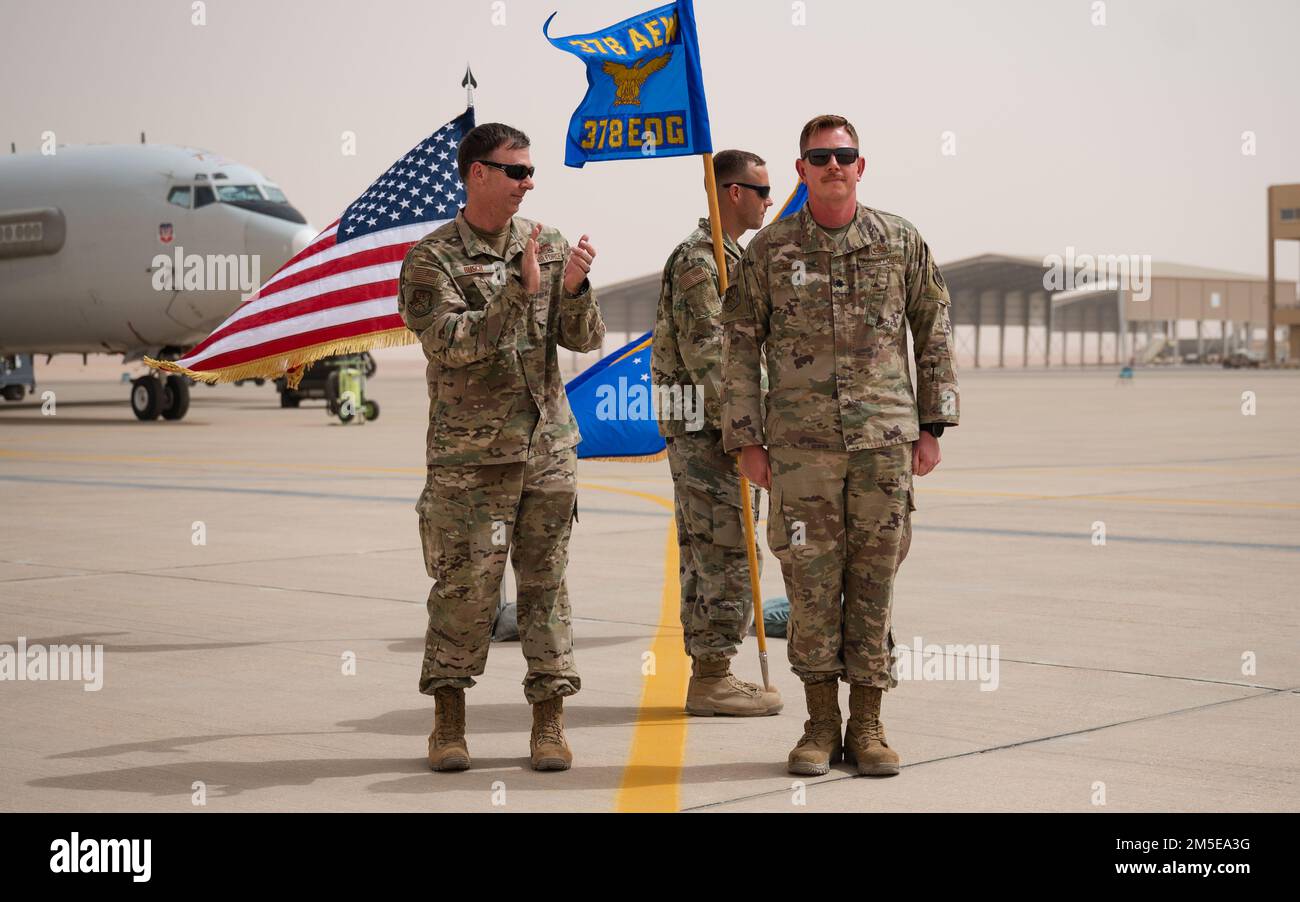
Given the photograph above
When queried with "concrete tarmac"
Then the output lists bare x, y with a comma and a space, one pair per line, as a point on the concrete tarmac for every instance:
255, 580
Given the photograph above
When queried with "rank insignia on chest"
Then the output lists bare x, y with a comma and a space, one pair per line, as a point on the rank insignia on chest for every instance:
733, 305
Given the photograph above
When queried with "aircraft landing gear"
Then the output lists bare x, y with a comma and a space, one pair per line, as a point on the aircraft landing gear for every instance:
176, 398
146, 397
152, 397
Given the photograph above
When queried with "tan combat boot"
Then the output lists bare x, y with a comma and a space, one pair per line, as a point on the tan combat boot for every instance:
864, 737
714, 689
548, 749
447, 749
820, 746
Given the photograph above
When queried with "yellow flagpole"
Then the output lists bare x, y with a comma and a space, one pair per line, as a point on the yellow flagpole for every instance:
747, 513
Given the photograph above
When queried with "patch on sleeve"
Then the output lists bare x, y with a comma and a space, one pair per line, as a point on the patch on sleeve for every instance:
692, 277
935, 288
421, 302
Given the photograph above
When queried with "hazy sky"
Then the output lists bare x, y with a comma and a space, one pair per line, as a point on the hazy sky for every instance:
1122, 138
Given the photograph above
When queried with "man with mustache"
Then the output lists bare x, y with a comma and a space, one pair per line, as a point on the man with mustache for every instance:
822, 297
491, 296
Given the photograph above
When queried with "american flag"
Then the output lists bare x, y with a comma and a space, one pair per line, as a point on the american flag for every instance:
339, 294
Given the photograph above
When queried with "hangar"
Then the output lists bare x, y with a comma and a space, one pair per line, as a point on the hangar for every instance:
1189, 311
1004, 316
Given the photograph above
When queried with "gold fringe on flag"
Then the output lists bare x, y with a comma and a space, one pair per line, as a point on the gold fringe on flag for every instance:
293, 364
634, 458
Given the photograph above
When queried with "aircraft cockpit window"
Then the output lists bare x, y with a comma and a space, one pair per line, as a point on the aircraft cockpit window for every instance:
180, 196
266, 200
230, 194
203, 196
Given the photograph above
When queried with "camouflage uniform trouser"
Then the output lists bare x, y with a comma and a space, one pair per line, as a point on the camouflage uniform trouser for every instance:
852, 511
471, 517
713, 566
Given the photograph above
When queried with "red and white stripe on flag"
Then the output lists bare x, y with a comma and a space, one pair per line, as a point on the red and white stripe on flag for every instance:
339, 294
329, 299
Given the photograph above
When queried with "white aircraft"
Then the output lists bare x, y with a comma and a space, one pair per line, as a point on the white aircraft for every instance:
85, 231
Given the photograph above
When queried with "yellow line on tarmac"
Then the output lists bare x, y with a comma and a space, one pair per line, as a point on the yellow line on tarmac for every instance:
644, 496
652, 776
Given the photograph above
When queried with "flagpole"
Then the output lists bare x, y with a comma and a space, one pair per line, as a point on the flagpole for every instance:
747, 512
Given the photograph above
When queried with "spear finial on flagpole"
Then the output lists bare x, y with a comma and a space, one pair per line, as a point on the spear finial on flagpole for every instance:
469, 84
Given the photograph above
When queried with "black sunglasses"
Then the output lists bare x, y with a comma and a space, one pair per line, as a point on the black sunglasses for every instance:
761, 190
820, 156
516, 171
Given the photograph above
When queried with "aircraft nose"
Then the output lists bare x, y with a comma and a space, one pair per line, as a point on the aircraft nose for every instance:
275, 241
302, 238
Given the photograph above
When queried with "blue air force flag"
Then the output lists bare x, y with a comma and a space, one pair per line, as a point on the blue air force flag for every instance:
614, 404
795, 202
645, 91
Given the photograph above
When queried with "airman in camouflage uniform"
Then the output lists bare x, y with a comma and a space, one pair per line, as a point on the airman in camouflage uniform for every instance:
491, 296
716, 607
822, 297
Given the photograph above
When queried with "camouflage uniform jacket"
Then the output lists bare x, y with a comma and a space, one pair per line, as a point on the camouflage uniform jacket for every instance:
495, 392
836, 347
687, 348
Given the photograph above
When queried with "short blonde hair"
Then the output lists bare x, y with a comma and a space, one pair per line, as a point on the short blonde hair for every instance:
817, 123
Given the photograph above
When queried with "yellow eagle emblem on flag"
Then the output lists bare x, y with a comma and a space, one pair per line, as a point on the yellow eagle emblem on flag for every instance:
629, 79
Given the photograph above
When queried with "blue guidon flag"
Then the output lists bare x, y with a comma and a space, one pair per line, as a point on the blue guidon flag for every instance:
613, 403
645, 91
